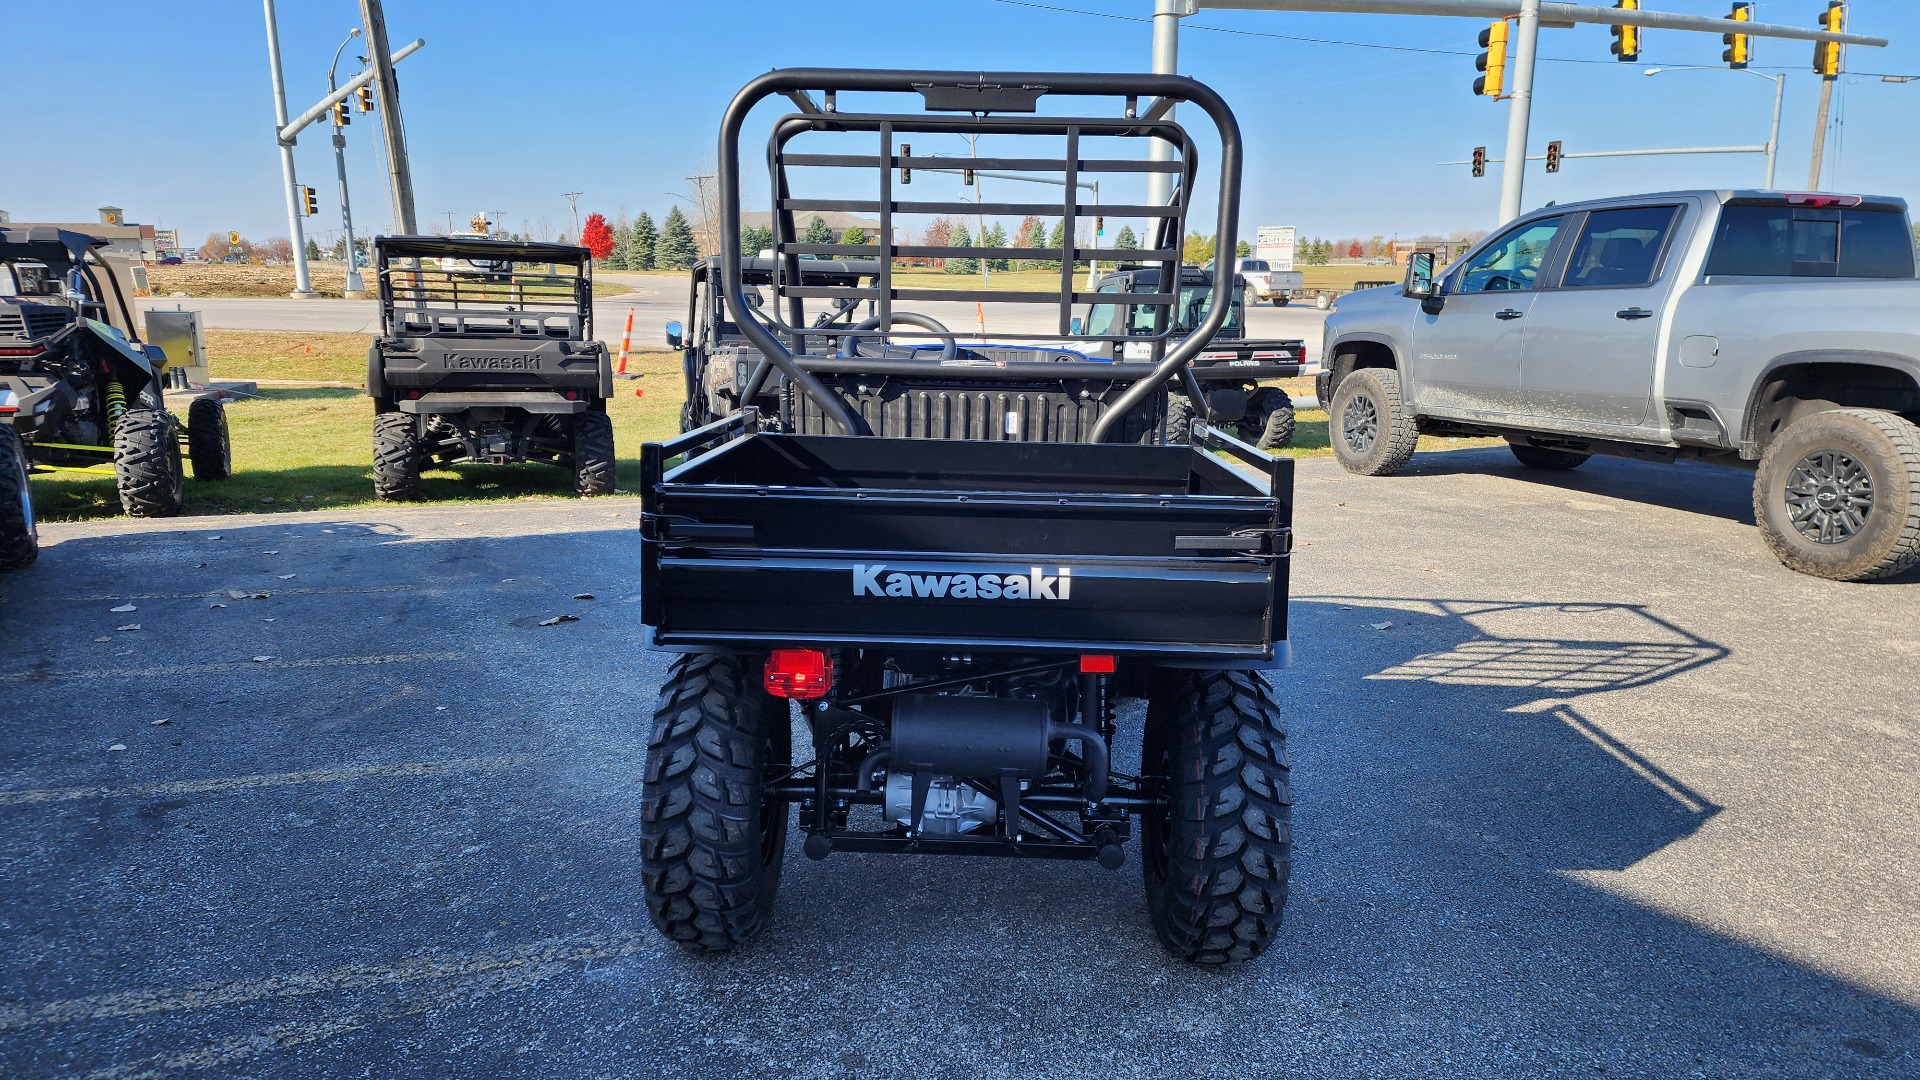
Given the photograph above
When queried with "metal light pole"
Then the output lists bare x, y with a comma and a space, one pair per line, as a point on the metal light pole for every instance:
1166, 61
302, 283
1779, 94
1519, 111
354, 284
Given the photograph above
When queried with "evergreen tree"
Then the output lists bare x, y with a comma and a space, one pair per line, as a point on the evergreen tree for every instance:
818, 231
855, 235
1242, 250
676, 249
313, 251
994, 236
755, 239
645, 239
1126, 241
961, 238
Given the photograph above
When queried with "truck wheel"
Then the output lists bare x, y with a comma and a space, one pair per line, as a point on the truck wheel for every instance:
19, 541
710, 839
146, 464
1280, 301
1180, 416
1216, 857
593, 454
1838, 495
1540, 457
1371, 432
396, 457
1268, 423
209, 446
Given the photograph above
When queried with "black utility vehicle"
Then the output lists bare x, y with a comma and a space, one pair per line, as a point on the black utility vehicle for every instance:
1232, 365
80, 392
486, 353
956, 606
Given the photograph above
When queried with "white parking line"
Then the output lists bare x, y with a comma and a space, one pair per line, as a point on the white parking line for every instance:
31, 796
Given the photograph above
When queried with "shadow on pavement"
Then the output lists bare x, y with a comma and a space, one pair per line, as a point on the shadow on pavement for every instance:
1712, 490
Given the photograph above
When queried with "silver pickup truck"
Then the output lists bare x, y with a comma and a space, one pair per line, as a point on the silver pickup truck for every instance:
1772, 330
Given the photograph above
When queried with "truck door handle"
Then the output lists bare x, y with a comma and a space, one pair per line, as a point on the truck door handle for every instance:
1509, 314
1633, 313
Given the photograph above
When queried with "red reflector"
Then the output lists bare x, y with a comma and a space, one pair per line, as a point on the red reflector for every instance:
799, 673
1095, 664
414, 394
29, 350
573, 395
9, 410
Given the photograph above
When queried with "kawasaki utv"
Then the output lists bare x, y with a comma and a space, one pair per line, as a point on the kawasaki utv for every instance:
80, 392
486, 354
955, 561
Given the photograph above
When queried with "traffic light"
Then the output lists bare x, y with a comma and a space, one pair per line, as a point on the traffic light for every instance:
1479, 161
1626, 39
1099, 225
966, 176
341, 117
906, 171
1492, 62
1826, 54
1553, 156
366, 98
312, 200
1739, 48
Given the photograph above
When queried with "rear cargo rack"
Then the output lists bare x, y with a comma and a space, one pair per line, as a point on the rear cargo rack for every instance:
1003, 109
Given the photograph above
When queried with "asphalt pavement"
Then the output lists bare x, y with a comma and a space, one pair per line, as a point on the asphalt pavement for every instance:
1586, 784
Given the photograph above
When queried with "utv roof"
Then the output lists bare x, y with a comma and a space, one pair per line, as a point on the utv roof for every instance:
45, 243
438, 247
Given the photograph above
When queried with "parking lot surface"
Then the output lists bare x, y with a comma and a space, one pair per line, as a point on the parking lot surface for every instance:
1585, 783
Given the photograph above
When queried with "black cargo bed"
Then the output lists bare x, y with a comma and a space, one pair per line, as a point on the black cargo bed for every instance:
827, 541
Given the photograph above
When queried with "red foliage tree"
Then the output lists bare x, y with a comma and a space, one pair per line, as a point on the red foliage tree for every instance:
1355, 251
596, 237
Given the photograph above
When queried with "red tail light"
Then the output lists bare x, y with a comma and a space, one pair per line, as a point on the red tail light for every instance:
799, 673
1095, 664
28, 350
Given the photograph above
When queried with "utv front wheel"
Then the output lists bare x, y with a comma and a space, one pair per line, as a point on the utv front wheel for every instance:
19, 542
1268, 423
209, 446
396, 457
710, 839
1838, 495
593, 454
146, 464
1371, 429
1216, 857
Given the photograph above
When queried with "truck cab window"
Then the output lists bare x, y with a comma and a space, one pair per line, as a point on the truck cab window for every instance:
1511, 263
1619, 247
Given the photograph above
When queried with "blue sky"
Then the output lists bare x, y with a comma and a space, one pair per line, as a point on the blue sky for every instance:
511, 104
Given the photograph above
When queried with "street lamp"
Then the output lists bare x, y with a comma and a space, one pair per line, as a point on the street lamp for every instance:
1779, 91
354, 284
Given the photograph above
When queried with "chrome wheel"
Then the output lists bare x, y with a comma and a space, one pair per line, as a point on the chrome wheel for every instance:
1829, 495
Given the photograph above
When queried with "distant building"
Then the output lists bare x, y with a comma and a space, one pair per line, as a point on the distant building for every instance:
1444, 251
135, 242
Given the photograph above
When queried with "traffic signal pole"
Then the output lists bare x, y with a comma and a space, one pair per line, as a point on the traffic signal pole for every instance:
1519, 110
387, 92
302, 282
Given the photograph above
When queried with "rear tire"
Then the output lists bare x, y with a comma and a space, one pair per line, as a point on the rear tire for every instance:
19, 539
146, 464
1268, 423
396, 457
1216, 857
1838, 495
209, 446
1180, 415
593, 465
1370, 428
1541, 457
710, 840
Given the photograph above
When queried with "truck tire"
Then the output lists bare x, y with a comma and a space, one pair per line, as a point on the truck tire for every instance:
1268, 423
209, 446
593, 454
19, 539
1838, 495
1216, 857
1180, 416
396, 458
1280, 301
146, 464
1541, 457
710, 840
1370, 429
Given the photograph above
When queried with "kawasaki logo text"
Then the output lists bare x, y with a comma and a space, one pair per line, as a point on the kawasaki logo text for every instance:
460, 362
874, 580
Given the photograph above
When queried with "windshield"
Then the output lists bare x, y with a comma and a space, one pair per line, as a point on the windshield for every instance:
1195, 300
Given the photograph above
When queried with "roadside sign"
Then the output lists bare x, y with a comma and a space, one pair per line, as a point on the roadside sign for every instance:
233, 237
166, 239
1275, 244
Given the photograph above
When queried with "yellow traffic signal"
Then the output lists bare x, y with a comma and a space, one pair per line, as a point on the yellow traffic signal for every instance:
1479, 161
1493, 62
1826, 54
1626, 39
312, 200
1739, 48
366, 99
341, 117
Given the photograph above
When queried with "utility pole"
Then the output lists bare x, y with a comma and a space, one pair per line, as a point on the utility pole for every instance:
573, 204
302, 282
1519, 112
1820, 134
1166, 61
387, 93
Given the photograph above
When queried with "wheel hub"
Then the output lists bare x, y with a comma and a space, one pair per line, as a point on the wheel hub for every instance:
1360, 424
1829, 497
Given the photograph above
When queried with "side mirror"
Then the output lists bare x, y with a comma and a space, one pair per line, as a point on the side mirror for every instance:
1074, 328
674, 332
1419, 281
